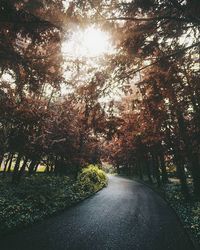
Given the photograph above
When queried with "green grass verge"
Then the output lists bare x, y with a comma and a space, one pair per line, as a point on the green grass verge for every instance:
42, 195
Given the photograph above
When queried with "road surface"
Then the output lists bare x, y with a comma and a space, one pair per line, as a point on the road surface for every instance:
125, 215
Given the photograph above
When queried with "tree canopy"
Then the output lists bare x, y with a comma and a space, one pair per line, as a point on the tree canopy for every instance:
155, 67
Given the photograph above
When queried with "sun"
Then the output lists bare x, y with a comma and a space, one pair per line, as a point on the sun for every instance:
88, 42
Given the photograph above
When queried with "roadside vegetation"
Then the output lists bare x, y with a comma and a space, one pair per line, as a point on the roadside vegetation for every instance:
187, 210
42, 195
136, 108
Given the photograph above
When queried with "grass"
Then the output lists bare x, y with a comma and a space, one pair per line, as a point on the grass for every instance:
42, 195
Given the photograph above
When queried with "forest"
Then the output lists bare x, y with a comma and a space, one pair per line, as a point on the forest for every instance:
130, 99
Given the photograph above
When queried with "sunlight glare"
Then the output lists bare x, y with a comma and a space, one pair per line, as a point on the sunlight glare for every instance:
90, 42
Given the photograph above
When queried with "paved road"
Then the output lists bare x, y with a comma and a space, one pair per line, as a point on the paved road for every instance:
125, 215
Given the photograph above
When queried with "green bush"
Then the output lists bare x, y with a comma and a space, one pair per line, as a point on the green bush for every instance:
92, 178
39, 196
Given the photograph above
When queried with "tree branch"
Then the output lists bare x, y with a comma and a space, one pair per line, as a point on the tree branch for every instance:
147, 19
159, 59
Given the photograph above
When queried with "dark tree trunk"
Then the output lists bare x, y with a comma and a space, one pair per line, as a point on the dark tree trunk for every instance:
36, 167
47, 169
10, 163
118, 171
195, 171
16, 168
191, 156
22, 169
182, 176
31, 166
6, 164
1, 160
183, 181
139, 168
163, 169
59, 166
178, 161
148, 169
156, 168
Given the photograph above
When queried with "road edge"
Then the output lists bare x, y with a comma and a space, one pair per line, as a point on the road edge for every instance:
56, 213
187, 232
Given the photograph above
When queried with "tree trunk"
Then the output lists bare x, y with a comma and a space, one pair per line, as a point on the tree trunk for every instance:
183, 181
1, 160
16, 168
5, 165
31, 166
163, 169
182, 176
22, 169
36, 167
195, 171
191, 156
139, 168
10, 163
178, 161
156, 169
148, 172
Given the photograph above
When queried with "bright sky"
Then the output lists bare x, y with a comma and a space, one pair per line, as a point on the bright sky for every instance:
7, 77
89, 46
87, 43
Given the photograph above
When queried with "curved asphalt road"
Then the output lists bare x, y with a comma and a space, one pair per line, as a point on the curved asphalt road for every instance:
125, 215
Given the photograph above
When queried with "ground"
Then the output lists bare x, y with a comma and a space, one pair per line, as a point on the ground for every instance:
125, 215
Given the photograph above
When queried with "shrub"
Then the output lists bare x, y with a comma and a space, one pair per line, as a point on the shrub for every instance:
42, 195
92, 178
